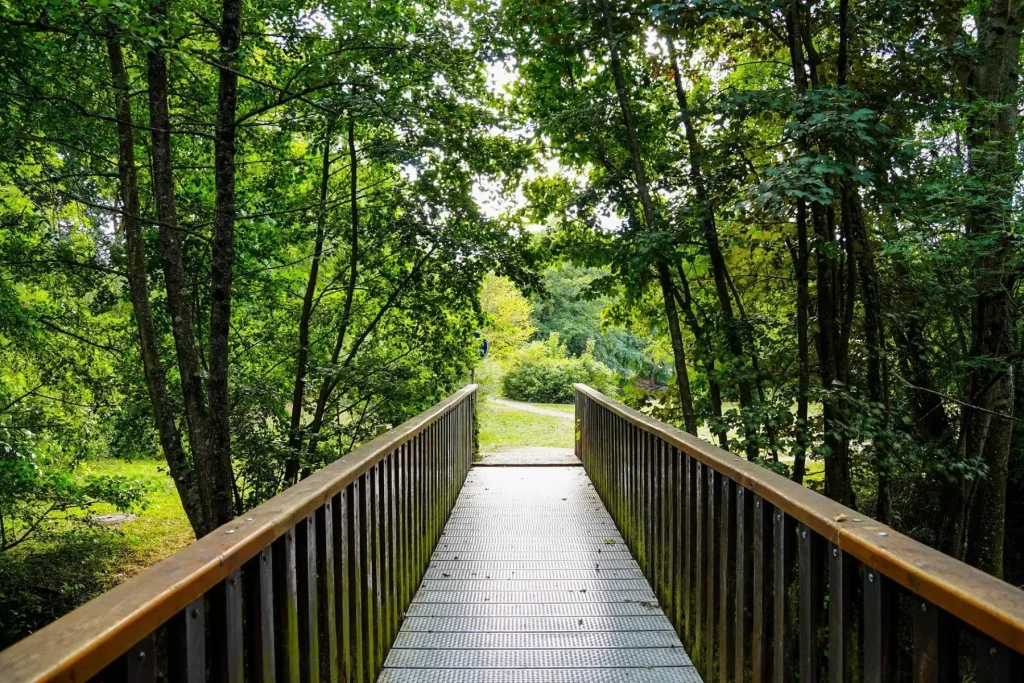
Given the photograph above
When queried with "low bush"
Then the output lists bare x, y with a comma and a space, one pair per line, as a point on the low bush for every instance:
543, 372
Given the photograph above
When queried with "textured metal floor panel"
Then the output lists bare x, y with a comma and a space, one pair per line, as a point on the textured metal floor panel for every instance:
403, 658
621, 675
533, 640
534, 596
528, 565
503, 574
532, 583
492, 624
579, 585
544, 609
525, 555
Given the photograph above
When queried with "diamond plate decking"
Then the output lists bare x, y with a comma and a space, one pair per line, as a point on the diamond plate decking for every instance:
532, 583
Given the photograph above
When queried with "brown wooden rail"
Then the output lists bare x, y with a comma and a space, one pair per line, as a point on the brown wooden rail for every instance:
766, 580
311, 585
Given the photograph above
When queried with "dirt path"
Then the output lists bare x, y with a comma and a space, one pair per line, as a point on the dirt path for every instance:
529, 408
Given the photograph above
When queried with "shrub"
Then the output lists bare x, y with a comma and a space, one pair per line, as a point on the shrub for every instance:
542, 372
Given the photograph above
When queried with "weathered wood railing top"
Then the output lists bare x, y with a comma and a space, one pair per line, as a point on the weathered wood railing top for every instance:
423, 460
681, 505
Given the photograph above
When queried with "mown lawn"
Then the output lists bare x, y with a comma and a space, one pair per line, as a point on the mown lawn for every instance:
502, 426
561, 407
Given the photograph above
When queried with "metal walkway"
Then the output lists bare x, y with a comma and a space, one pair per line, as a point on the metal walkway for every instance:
532, 583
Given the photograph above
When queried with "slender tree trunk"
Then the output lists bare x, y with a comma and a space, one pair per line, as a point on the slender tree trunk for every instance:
138, 287
650, 221
330, 383
838, 485
678, 350
717, 258
990, 87
803, 305
295, 435
218, 477
714, 388
862, 260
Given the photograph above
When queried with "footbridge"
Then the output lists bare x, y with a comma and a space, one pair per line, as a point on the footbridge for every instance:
658, 558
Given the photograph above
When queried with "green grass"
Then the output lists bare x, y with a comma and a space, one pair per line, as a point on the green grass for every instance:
54, 572
502, 426
161, 528
560, 407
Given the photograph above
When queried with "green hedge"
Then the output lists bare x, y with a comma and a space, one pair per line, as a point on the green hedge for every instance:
542, 372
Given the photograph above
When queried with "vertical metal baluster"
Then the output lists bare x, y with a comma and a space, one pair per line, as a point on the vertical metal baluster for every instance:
673, 535
996, 662
810, 599
844, 617
354, 543
392, 540
743, 522
366, 576
782, 639
936, 645
711, 537
309, 645
726, 572
375, 568
689, 550
402, 502
762, 582
286, 608
384, 507
879, 634
140, 661
700, 634
268, 658
233, 622
325, 559
679, 535
186, 657
343, 584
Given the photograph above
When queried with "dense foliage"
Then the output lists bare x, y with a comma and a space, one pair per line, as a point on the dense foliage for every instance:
817, 204
544, 372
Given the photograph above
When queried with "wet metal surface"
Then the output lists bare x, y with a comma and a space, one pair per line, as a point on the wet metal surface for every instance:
532, 583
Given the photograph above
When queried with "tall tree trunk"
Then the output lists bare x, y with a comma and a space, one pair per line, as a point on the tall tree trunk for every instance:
838, 485
217, 476
862, 260
989, 86
650, 221
178, 300
717, 258
138, 288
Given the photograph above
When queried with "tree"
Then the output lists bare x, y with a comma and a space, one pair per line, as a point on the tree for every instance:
507, 314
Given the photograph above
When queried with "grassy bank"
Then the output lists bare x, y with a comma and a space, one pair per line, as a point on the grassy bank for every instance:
53, 572
504, 426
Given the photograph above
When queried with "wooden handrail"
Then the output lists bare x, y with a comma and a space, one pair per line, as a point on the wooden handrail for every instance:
992, 607
79, 645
